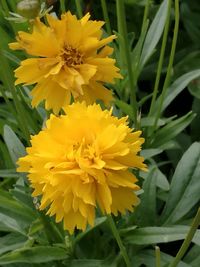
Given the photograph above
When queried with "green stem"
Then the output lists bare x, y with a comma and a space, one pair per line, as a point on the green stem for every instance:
120, 32
187, 240
146, 12
161, 58
119, 241
106, 17
125, 52
157, 252
171, 60
79, 8
62, 6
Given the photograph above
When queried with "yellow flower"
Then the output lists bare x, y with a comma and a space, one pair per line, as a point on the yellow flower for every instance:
73, 61
82, 161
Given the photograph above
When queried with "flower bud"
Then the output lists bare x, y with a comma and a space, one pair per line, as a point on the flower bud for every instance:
28, 8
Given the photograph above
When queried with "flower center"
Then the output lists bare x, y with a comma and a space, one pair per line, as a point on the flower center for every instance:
85, 155
72, 56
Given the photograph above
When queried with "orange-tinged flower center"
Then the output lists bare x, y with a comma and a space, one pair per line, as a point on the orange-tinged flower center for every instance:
71, 56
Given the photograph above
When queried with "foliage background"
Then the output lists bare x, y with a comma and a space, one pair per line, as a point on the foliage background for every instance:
170, 194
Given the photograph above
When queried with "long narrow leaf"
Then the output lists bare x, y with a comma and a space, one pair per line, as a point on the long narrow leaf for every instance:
154, 33
185, 186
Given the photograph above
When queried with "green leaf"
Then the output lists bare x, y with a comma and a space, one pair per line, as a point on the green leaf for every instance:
156, 235
110, 262
11, 242
34, 255
185, 186
15, 147
5, 37
9, 224
22, 193
22, 196
172, 129
143, 215
9, 173
172, 144
135, 2
149, 121
151, 152
35, 227
192, 255
161, 180
136, 54
5, 156
194, 88
126, 108
146, 257
10, 207
187, 63
98, 222
11, 57
195, 125
86, 263
195, 262
177, 87
144, 99
154, 33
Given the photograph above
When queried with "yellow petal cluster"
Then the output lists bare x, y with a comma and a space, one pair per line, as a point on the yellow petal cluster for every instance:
70, 59
82, 161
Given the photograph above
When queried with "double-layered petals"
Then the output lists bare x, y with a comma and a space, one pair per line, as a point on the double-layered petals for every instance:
81, 161
70, 59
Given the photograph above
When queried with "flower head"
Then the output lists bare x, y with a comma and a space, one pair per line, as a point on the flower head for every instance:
71, 60
82, 160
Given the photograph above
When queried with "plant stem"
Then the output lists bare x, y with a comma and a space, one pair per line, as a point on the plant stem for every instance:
187, 240
157, 252
79, 8
62, 6
125, 52
171, 60
146, 12
161, 58
106, 17
119, 241
120, 37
